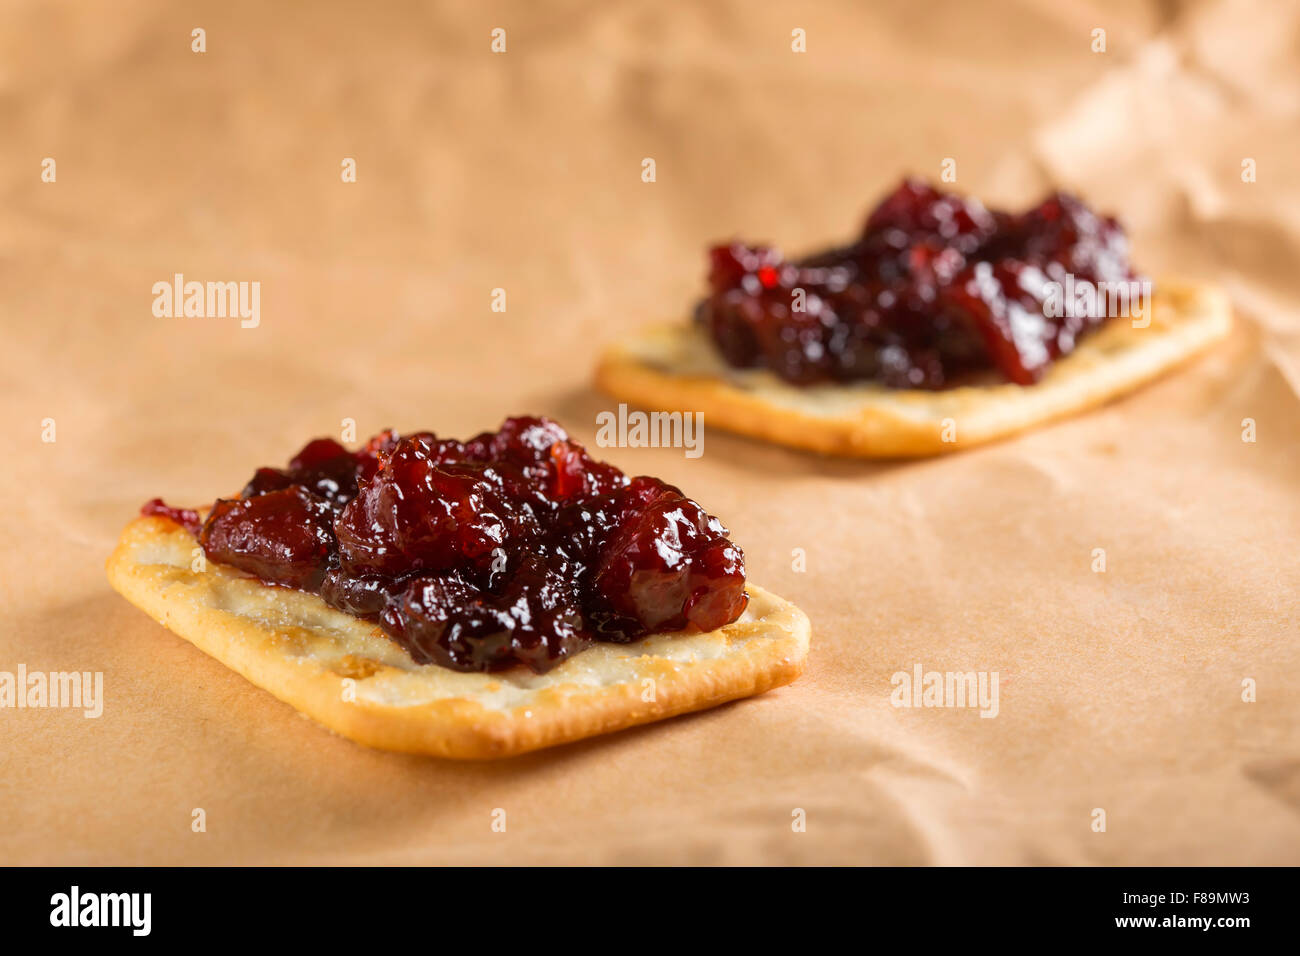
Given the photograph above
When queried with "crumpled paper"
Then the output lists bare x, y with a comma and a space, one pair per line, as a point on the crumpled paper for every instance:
1146, 712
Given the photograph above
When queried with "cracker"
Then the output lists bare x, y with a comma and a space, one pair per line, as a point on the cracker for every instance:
675, 368
346, 674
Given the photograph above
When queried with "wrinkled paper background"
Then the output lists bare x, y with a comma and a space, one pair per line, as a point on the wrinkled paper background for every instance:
1120, 691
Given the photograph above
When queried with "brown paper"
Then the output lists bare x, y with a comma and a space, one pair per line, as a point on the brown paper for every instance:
1120, 691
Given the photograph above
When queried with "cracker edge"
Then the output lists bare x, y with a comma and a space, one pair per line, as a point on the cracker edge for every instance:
459, 727
1111, 363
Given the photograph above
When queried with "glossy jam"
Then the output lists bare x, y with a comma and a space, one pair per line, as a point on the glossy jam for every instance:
936, 289
514, 547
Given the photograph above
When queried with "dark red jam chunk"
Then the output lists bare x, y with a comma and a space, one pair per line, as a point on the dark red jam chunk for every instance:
936, 288
514, 547
323, 467
667, 565
283, 536
187, 518
423, 512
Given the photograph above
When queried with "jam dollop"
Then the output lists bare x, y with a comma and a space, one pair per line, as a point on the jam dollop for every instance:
514, 547
936, 288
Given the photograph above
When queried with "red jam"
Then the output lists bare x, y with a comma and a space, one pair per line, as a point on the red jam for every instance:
515, 547
937, 288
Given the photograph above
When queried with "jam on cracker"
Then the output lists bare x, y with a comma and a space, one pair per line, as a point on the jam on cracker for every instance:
514, 547
936, 290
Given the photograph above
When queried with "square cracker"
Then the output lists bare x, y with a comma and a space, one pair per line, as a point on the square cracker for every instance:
675, 368
348, 675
